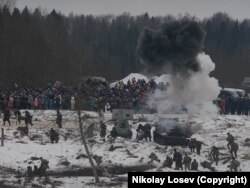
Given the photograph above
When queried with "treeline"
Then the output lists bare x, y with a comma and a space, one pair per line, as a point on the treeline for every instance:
37, 48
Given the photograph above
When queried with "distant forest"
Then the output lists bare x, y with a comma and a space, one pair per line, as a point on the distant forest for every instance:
38, 48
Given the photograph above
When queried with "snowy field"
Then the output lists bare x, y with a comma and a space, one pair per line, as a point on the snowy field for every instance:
69, 154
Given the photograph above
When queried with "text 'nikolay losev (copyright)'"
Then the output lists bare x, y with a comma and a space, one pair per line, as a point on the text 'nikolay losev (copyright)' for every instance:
199, 180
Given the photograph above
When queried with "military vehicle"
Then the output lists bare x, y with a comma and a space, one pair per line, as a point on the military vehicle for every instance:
122, 123
171, 132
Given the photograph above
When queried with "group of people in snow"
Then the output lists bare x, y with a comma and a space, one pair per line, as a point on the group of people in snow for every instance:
190, 164
27, 118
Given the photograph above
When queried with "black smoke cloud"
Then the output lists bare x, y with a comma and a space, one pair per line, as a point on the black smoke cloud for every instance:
172, 48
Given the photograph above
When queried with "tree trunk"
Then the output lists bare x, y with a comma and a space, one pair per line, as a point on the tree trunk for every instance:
97, 180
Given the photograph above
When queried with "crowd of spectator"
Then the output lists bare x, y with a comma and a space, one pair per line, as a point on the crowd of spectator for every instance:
234, 105
52, 97
95, 94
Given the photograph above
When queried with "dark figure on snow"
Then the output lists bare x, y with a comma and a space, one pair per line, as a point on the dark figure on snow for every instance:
198, 146
230, 140
187, 162
59, 119
234, 165
139, 134
233, 149
113, 132
6, 116
147, 131
43, 167
168, 162
28, 119
103, 130
194, 165
215, 154
17, 114
178, 160
192, 144
54, 136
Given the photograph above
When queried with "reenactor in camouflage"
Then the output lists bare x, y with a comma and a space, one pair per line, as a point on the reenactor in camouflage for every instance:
194, 165
168, 162
43, 167
192, 144
28, 118
187, 161
153, 157
215, 154
233, 149
98, 160
103, 130
6, 116
178, 160
59, 118
230, 139
147, 131
234, 165
54, 136
198, 146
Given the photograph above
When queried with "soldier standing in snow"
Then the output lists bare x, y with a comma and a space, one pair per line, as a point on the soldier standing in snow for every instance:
187, 161
147, 131
230, 140
28, 118
198, 146
103, 130
59, 119
6, 115
233, 149
177, 157
215, 154
194, 165
192, 144
234, 165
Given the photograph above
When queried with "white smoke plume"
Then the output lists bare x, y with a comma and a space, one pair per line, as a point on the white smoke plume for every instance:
193, 94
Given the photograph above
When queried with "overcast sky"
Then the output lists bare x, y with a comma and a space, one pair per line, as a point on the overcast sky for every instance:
239, 9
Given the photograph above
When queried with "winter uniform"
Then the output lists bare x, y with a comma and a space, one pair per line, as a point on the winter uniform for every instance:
54, 137
198, 147
168, 162
215, 154
103, 130
28, 118
194, 165
147, 132
59, 119
234, 165
178, 160
230, 139
6, 116
233, 149
187, 161
192, 144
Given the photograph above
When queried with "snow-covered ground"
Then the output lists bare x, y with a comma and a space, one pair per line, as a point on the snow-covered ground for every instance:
22, 151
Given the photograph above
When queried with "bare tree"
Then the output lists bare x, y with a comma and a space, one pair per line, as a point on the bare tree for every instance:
10, 4
79, 103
